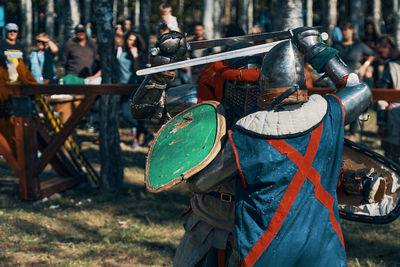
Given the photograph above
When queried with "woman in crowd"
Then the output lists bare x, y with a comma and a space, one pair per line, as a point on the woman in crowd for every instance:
131, 57
41, 61
118, 36
358, 57
371, 38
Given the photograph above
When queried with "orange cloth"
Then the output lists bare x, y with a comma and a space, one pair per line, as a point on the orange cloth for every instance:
211, 80
309, 82
7, 123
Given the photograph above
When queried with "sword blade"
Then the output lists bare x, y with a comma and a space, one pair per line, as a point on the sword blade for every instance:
248, 51
247, 38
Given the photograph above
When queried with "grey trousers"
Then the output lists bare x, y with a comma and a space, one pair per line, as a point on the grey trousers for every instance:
197, 247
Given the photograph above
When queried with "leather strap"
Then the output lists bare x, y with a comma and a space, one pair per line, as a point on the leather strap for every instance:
226, 197
284, 95
275, 96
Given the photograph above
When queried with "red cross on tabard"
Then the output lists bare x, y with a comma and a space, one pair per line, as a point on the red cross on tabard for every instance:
305, 170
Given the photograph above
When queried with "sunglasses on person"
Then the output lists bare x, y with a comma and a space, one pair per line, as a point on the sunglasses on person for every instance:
12, 31
40, 42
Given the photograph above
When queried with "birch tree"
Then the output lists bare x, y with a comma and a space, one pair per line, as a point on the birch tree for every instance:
332, 15
377, 15
217, 14
50, 14
246, 18
125, 8
227, 11
292, 16
110, 152
396, 14
114, 11
208, 21
310, 14
137, 14
26, 14
75, 13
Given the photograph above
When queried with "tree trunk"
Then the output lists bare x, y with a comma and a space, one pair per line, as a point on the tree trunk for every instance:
87, 5
181, 7
250, 16
377, 15
144, 21
235, 11
125, 9
110, 151
310, 14
114, 11
208, 21
396, 13
357, 17
292, 16
35, 18
243, 14
246, 18
227, 12
50, 14
343, 8
276, 15
28, 24
75, 13
217, 14
137, 15
332, 15
62, 15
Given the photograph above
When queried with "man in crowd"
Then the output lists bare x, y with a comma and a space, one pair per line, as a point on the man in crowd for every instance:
79, 55
389, 113
10, 48
199, 32
127, 25
80, 61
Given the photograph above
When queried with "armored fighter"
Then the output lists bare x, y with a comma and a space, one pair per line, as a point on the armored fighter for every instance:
270, 191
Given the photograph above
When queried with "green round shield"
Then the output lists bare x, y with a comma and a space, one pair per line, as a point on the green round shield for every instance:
184, 146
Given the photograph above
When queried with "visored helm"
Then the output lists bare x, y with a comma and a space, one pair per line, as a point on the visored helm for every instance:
282, 77
240, 88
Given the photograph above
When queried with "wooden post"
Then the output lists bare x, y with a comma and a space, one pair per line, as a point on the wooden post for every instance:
26, 137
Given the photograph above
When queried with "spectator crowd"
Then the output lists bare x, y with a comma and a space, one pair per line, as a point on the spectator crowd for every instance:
374, 58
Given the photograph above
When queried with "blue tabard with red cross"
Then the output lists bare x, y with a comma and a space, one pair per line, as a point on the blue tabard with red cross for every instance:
286, 203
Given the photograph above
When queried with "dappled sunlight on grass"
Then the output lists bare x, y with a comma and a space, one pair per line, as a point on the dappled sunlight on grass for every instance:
88, 227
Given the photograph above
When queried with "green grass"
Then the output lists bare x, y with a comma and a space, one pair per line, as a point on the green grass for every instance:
134, 227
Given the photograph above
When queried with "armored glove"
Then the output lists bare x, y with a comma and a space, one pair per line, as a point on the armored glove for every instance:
170, 47
315, 51
149, 100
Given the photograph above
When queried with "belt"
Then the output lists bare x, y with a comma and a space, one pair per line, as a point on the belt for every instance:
226, 197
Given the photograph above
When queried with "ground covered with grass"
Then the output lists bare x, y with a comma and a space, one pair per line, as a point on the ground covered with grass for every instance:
90, 227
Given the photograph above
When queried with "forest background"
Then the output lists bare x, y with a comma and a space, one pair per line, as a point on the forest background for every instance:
58, 17
135, 228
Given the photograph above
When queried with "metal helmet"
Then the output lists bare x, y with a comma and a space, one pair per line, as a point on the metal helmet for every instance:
240, 96
282, 77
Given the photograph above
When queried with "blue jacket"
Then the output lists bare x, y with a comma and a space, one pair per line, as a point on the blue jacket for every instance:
286, 203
